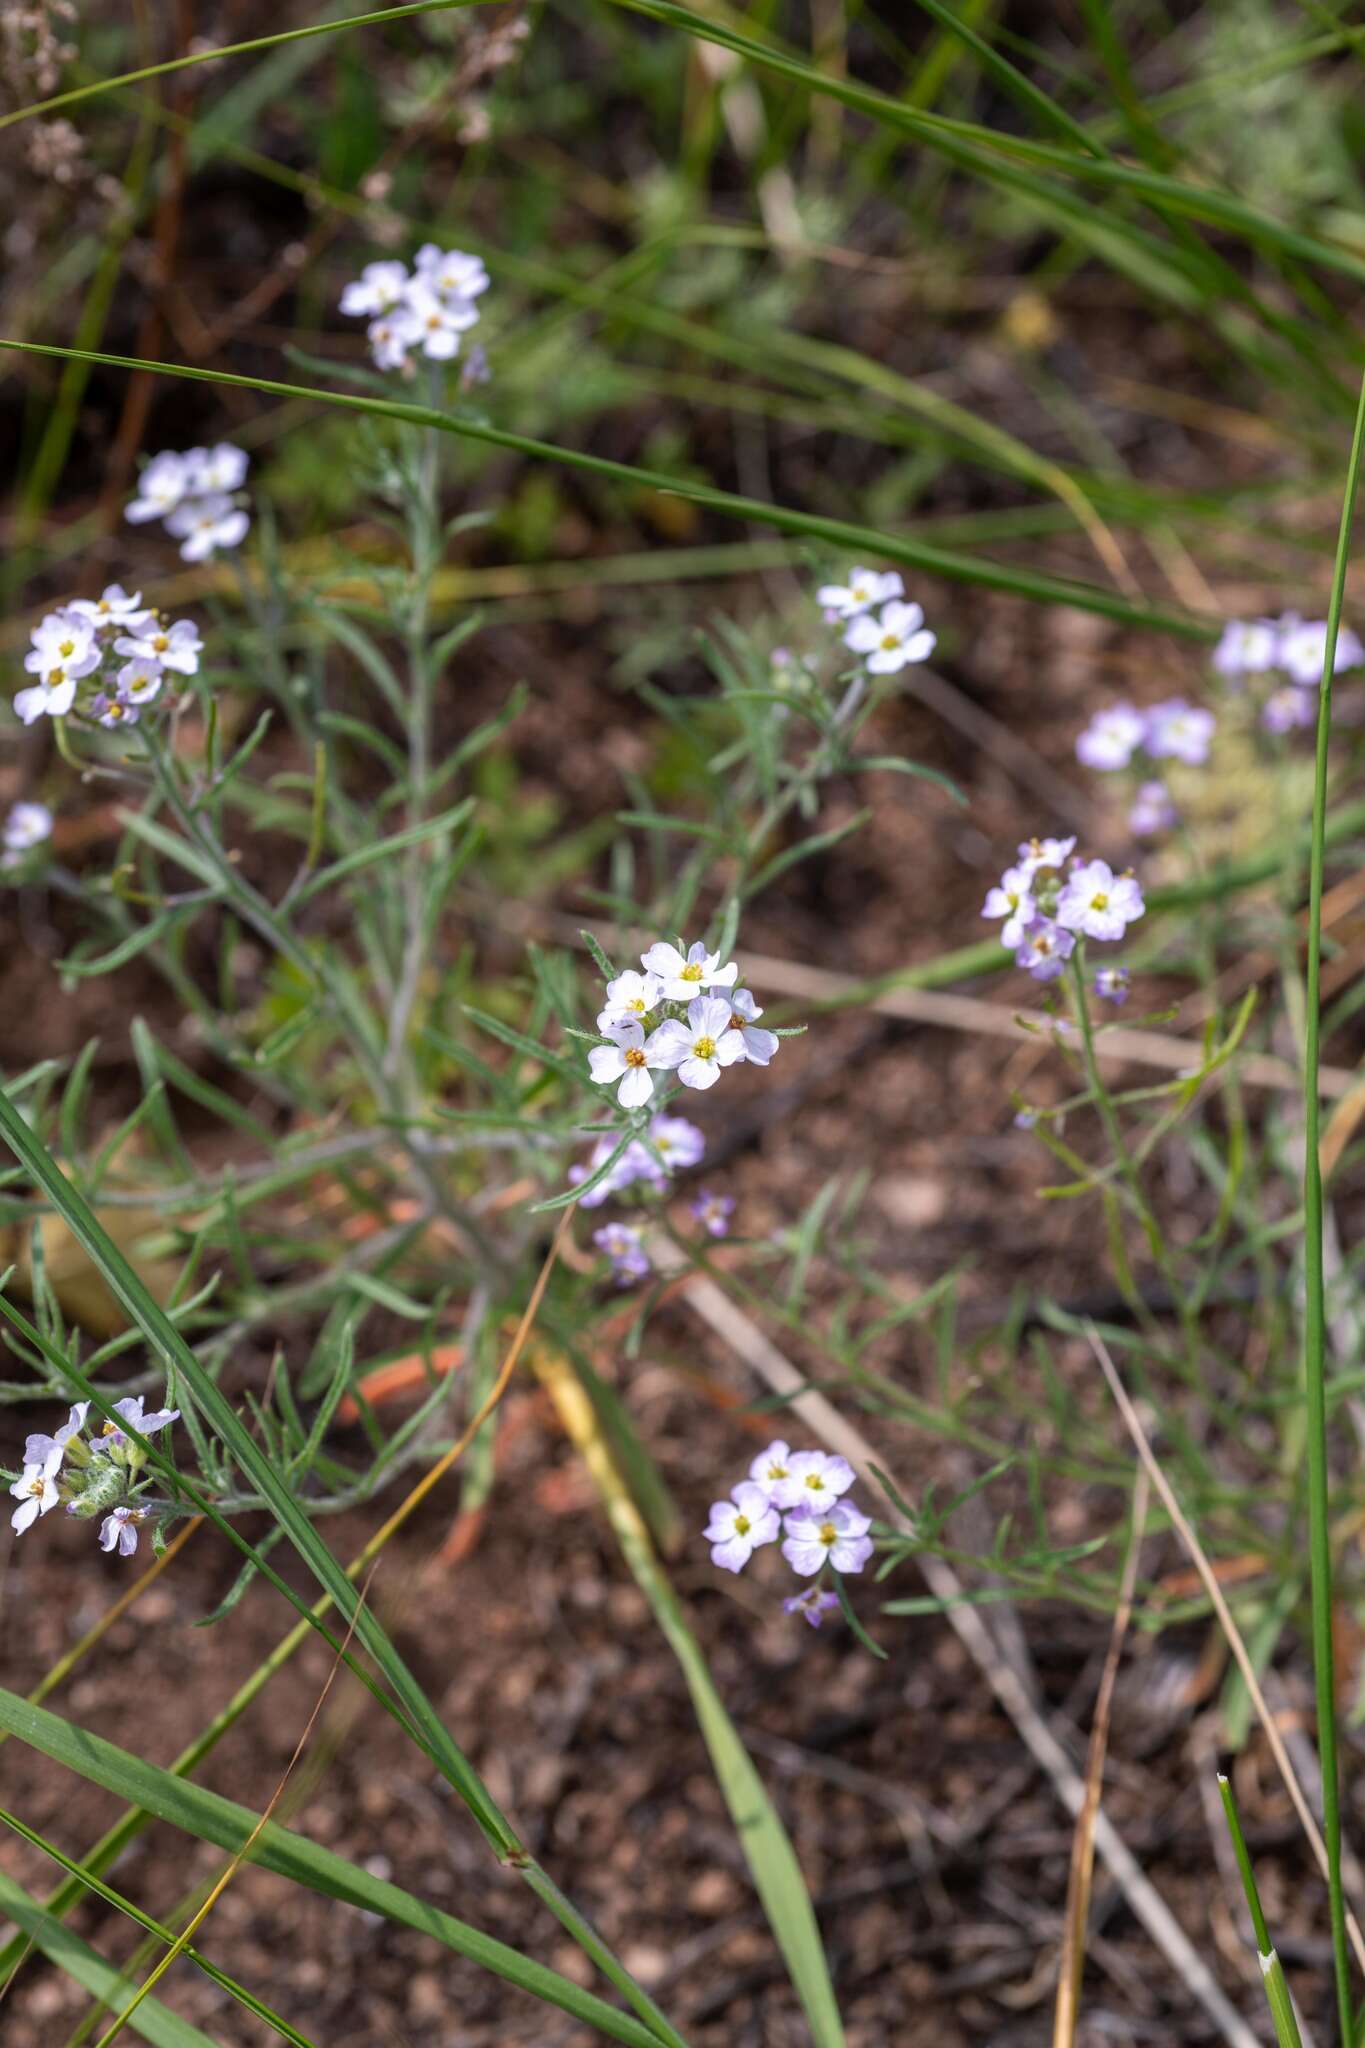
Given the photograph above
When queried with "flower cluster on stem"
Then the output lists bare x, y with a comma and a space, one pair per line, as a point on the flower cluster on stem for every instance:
104, 659
800, 1498
196, 496
95, 1476
422, 311
1050, 897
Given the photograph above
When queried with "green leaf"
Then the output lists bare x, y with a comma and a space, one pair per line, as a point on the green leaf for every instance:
211, 1818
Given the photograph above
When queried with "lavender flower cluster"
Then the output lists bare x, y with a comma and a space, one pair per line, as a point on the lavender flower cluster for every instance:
670, 1144
27, 827
195, 496
74, 660
1051, 897
424, 310
706, 1024
797, 1495
99, 1477
1291, 649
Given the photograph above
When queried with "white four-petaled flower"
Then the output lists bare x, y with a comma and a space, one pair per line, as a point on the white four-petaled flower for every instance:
161, 486
36, 1490
27, 826
203, 525
1012, 899
741, 1525
865, 587
113, 607
836, 1534
121, 1528
1180, 732
896, 637
1096, 901
627, 1059
630, 997
699, 1048
1112, 737
684, 975
759, 1046
175, 646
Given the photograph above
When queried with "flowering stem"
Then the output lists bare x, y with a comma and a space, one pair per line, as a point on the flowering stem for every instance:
1315, 1317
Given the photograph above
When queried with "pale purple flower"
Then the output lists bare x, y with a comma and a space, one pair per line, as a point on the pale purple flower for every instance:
112, 712
759, 1046
812, 1605
1012, 899
139, 680
677, 1142
450, 273
630, 997
817, 1479
628, 1060
111, 1437
1035, 855
1153, 811
623, 1244
684, 975
27, 826
36, 1491
113, 607
1248, 647
64, 651
1025, 1119
1303, 649
634, 1164
1179, 731
896, 637
1045, 950
699, 1048
160, 487
203, 525
39, 1448
1112, 737
1096, 901
213, 471
1290, 708
836, 1534
865, 588
176, 647
120, 1528
713, 1212
1112, 984
740, 1526
378, 289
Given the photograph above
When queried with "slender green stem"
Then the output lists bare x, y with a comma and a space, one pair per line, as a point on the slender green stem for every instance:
1315, 1317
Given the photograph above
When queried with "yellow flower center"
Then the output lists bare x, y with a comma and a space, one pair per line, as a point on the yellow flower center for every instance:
161, 643
889, 641
741, 1525
815, 1481
691, 972
55, 676
36, 1486
777, 1471
67, 649
634, 1056
1099, 901
828, 1534
638, 1004
704, 1049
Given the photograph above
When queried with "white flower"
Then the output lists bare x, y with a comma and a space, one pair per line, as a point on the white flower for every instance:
677, 1142
27, 826
627, 1060
1096, 901
759, 1046
36, 1491
740, 1525
450, 273
686, 975
53, 695
203, 525
175, 646
817, 1479
771, 1472
436, 324
139, 680
161, 486
1012, 899
1179, 731
837, 1534
39, 1448
891, 641
212, 471
390, 338
863, 589
113, 607
1153, 811
130, 1408
1112, 737
700, 1047
1036, 854
121, 1528
630, 997
1045, 950
378, 289
112, 711
1248, 647
62, 639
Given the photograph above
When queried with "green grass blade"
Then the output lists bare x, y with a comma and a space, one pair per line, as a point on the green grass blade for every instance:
834, 533
89, 1882
1315, 1308
155, 2022
211, 1818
